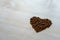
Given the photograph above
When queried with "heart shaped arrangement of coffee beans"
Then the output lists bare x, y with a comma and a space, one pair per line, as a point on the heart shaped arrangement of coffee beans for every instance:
39, 24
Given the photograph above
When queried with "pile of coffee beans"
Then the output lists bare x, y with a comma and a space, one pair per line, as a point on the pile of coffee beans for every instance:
39, 24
